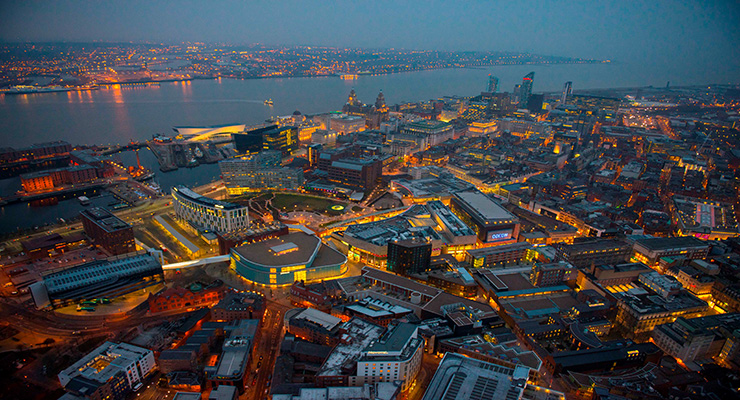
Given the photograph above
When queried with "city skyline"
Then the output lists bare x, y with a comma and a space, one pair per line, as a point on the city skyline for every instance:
695, 35
372, 201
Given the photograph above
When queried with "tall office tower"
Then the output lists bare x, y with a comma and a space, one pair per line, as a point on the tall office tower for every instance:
567, 91
526, 89
492, 84
515, 94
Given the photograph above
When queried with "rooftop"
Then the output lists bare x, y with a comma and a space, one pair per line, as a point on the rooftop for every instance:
360, 334
669, 243
105, 219
323, 319
459, 377
203, 200
486, 208
302, 249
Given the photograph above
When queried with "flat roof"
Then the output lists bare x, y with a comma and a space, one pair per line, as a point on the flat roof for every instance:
459, 377
174, 232
206, 201
671, 243
484, 206
306, 247
394, 340
105, 219
362, 333
326, 321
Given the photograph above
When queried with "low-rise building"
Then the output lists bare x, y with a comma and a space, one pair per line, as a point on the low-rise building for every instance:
233, 362
650, 250
498, 256
697, 338
283, 260
111, 371
195, 295
314, 326
463, 378
108, 231
239, 305
592, 252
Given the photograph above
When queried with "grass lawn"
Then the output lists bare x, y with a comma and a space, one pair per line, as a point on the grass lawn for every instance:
284, 201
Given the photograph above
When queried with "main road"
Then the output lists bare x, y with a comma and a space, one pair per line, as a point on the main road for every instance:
265, 351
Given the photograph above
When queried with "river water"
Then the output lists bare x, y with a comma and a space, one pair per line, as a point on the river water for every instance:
136, 113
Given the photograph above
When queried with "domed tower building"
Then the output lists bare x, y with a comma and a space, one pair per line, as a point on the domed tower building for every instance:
354, 106
379, 112
298, 118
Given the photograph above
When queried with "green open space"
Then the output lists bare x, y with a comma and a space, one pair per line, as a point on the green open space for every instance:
297, 202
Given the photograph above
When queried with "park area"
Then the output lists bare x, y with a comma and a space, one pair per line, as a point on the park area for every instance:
288, 202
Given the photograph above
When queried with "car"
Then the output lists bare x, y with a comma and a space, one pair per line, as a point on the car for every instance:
259, 364
261, 357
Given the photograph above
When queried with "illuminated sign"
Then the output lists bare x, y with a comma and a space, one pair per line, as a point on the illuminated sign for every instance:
499, 235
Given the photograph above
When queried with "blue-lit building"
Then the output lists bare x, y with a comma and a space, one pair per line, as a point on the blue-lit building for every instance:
281, 261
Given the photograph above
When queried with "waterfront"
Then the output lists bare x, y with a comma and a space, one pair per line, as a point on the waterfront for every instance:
118, 115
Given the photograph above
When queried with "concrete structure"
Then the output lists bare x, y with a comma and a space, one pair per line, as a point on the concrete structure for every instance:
704, 219
498, 256
396, 356
376, 391
286, 259
207, 213
650, 250
233, 362
697, 339
258, 172
369, 356
597, 251
491, 222
463, 378
110, 371
236, 305
428, 133
313, 325
409, 256
108, 231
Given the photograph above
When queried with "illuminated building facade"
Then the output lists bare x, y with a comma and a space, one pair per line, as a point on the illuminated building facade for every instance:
492, 223
286, 259
272, 137
428, 133
649, 251
396, 356
195, 295
498, 256
111, 371
698, 338
597, 251
207, 213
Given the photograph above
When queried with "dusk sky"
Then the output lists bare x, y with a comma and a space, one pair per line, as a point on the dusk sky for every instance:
699, 35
